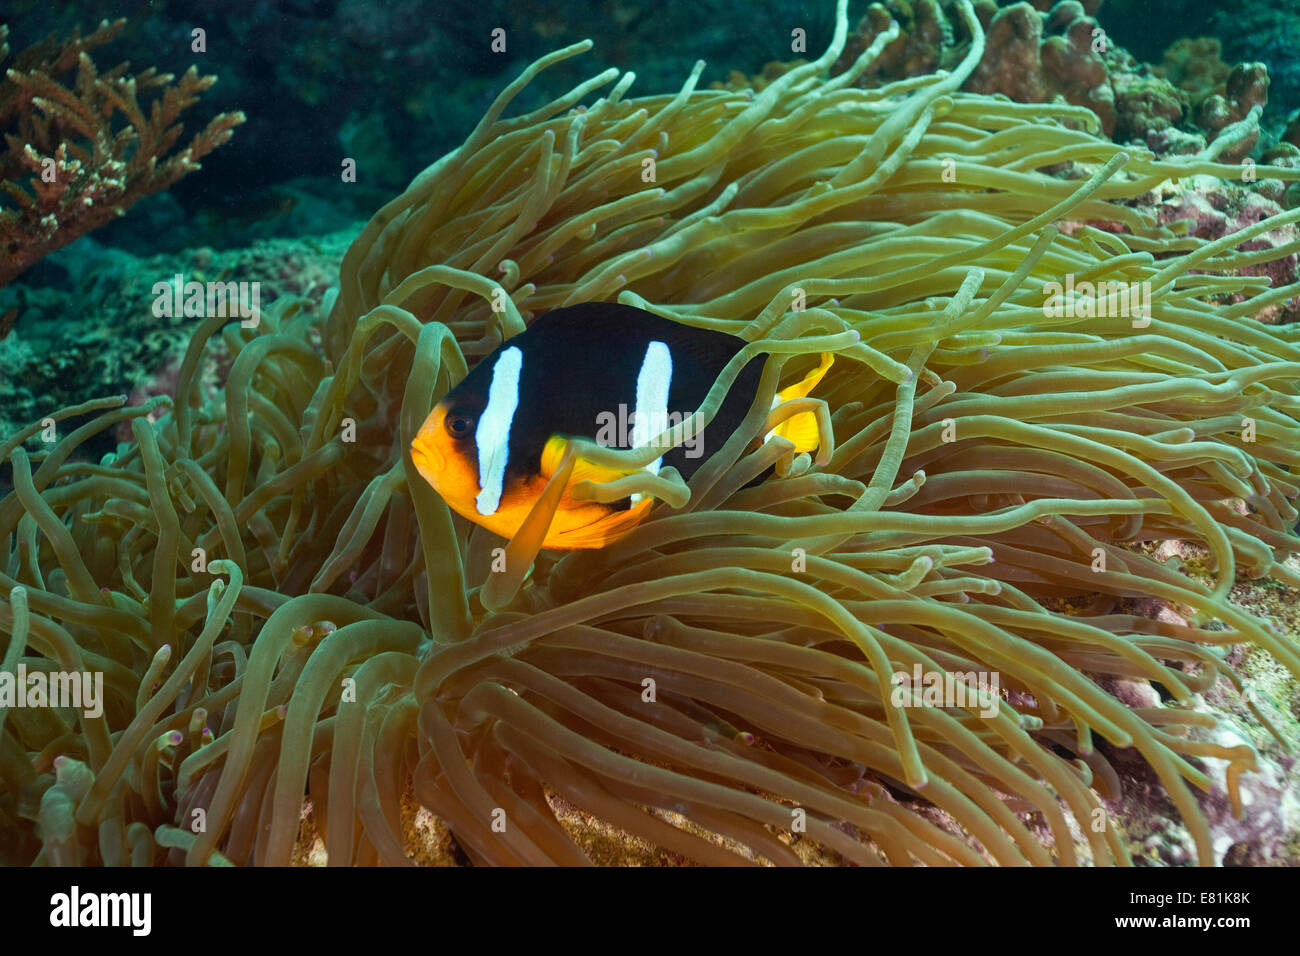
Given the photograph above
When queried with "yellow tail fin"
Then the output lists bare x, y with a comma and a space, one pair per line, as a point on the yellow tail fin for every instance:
802, 428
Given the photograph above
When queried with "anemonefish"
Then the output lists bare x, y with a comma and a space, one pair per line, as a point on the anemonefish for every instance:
612, 373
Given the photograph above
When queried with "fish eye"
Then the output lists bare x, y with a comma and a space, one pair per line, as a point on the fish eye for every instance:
459, 425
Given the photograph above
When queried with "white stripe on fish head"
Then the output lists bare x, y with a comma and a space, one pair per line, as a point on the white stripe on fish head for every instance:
652, 384
493, 432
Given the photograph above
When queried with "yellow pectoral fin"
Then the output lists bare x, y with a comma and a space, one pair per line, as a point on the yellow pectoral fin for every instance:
586, 524
802, 429
583, 470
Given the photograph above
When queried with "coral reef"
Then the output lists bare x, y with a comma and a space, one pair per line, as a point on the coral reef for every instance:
1267, 833
1216, 96
53, 358
77, 156
1216, 210
1266, 31
1042, 54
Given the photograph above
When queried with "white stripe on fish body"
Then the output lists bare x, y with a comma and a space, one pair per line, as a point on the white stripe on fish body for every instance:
652, 384
776, 401
493, 432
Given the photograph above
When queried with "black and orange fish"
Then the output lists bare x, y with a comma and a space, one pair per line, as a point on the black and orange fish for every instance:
615, 374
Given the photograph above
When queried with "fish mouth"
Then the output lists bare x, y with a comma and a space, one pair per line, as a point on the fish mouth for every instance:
429, 461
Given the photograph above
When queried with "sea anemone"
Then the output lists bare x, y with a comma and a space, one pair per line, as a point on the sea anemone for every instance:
280, 606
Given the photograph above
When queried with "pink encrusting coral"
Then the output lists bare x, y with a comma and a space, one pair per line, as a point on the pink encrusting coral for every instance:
1215, 209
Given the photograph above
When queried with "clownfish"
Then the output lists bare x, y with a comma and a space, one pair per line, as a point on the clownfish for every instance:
612, 373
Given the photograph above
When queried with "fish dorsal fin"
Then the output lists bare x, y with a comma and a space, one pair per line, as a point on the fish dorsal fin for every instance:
588, 322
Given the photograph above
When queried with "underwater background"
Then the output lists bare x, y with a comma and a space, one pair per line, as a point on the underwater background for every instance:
396, 84
325, 110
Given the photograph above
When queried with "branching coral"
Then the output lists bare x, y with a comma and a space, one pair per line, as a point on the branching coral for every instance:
78, 156
724, 673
